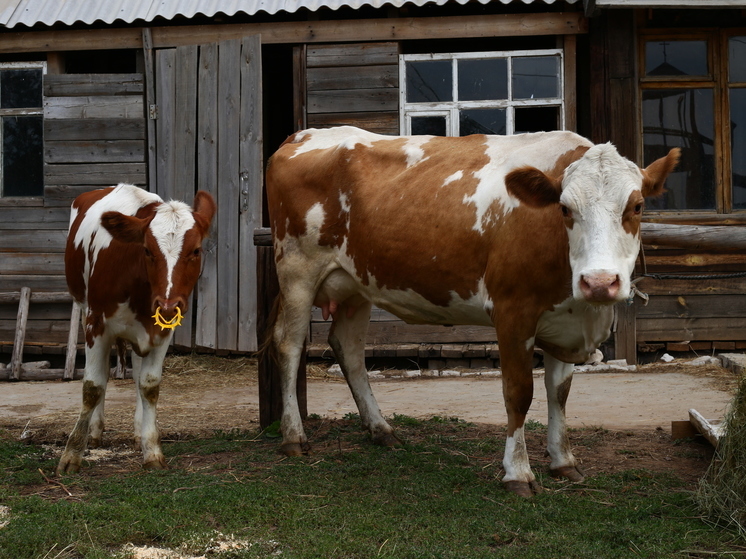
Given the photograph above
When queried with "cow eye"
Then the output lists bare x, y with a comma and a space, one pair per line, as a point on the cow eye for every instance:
148, 253
638, 208
197, 252
565, 211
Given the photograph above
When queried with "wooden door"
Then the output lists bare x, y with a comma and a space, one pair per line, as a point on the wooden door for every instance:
207, 135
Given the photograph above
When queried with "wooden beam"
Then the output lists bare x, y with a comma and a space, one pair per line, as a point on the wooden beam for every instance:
294, 32
17, 357
694, 236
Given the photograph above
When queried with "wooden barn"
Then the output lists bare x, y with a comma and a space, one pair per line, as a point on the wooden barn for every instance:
179, 96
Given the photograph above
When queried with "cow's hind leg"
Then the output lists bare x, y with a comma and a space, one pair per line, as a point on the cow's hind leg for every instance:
94, 390
347, 339
557, 379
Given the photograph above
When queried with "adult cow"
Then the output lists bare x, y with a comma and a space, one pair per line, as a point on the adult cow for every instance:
536, 234
131, 259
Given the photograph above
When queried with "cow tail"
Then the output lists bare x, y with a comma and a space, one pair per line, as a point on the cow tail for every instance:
267, 348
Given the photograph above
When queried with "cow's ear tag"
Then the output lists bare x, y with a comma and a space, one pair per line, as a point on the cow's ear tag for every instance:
171, 324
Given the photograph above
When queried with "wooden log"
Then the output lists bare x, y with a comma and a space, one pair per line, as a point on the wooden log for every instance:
710, 431
17, 357
72, 343
694, 236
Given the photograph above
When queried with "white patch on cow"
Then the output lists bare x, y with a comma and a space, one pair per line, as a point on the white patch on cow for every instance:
73, 216
344, 202
315, 220
413, 149
515, 460
125, 199
576, 325
169, 226
457, 176
124, 324
530, 343
343, 137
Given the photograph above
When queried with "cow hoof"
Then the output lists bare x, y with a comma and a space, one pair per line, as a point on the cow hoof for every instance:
67, 466
522, 488
388, 440
571, 473
295, 449
158, 464
94, 443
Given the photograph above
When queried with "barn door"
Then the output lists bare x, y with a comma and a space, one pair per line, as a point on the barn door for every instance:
206, 133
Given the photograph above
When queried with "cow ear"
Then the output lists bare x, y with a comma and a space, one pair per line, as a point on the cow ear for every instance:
125, 228
654, 175
204, 210
533, 187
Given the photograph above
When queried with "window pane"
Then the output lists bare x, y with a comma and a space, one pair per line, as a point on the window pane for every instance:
676, 58
20, 88
429, 81
536, 77
737, 59
480, 80
682, 118
536, 119
429, 125
22, 156
482, 121
738, 146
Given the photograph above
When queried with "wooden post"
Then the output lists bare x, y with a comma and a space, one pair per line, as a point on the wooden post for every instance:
625, 333
17, 358
270, 391
72, 343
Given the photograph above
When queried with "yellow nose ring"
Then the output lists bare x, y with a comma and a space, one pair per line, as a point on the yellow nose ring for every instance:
171, 324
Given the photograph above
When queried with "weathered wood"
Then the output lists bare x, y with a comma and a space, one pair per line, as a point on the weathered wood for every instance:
72, 343
94, 129
36, 297
694, 236
670, 329
695, 262
33, 240
354, 54
12, 282
116, 106
77, 85
101, 174
150, 101
380, 122
710, 431
294, 32
362, 77
731, 286
625, 340
94, 151
17, 358
42, 263
165, 61
12, 218
694, 306
353, 100
63, 195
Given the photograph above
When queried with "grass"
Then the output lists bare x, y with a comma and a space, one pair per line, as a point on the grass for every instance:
438, 497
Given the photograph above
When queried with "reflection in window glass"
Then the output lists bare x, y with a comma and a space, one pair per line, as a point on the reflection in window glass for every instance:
536, 77
682, 118
536, 119
738, 146
676, 58
429, 81
20, 88
429, 126
482, 121
737, 59
480, 80
22, 156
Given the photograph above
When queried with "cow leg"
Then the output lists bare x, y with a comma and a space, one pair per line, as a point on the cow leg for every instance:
95, 377
347, 339
148, 384
136, 370
557, 379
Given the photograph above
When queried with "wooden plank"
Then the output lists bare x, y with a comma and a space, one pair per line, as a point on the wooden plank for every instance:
674, 329
710, 431
694, 236
38, 332
94, 151
355, 77
77, 85
165, 96
229, 75
33, 240
625, 341
36, 297
17, 357
207, 179
355, 54
37, 310
294, 32
20, 218
299, 87
63, 194
116, 106
17, 263
384, 122
711, 262
101, 174
150, 102
10, 282
72, 343
353, 100
694, 306
731, 286
251, 146
399, 332
94, 129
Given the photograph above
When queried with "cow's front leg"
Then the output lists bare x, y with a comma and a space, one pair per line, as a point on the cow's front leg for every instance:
557, 379
91, 418
347, 339
147, 377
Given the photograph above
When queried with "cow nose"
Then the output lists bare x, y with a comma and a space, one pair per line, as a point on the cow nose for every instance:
168, 307
600, 287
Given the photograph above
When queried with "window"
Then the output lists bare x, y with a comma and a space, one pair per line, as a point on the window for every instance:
21, 129
482, 93
693, 93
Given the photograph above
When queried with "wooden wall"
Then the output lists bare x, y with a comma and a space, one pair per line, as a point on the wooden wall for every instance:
94, 136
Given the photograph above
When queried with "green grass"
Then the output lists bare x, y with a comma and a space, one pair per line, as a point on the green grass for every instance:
438, 497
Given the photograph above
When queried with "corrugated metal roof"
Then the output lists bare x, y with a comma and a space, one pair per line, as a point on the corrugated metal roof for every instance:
671, 3
69, 12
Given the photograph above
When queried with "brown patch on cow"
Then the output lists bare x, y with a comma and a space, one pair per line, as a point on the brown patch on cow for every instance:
632, 214
563, 391
565, 160
151, 393
92, 394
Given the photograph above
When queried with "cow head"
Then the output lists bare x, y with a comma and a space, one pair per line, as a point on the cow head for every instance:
171, 237
601, 197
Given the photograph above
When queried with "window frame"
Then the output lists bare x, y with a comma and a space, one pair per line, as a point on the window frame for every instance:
407, 110
25, 111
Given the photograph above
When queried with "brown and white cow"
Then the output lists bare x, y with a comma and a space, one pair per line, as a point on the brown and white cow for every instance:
536, 234
129, 256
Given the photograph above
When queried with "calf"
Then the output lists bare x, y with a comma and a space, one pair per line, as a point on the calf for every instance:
534, 234
131, 262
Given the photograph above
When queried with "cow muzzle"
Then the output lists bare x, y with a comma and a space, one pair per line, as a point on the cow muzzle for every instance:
600, 287
169, 309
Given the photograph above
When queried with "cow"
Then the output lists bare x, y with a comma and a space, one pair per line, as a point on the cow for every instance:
131, 262
534, 234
